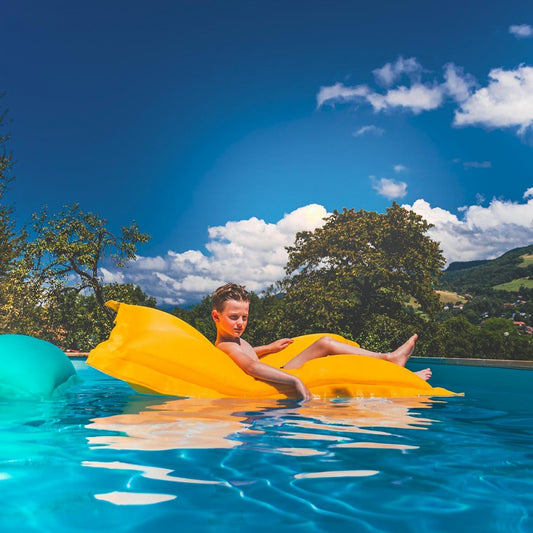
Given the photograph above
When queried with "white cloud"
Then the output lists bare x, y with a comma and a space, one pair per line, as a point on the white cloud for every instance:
521, 31
111, 277
389, 188
457, 84
480, 198
391, 72
528, 193
150, 263
371, 129
399, 168
477, 164
251, 252
416, 98
480, 232
341, 93
506, 102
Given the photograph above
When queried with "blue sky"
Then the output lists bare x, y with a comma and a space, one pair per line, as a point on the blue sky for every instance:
224, 127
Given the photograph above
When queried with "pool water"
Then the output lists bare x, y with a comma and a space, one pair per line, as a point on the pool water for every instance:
100, 457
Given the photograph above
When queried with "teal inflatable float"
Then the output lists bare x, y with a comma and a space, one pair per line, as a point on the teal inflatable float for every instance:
31, 367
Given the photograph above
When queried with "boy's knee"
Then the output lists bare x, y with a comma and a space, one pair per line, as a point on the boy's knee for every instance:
326, 343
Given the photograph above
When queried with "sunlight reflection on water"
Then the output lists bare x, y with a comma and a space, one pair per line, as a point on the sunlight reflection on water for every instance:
315, 429
196, 424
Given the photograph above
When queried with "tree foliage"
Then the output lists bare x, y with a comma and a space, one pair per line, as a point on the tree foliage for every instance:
70, 246
359, 266
18, 295
79, 322
495, 338
8, 238
199, 316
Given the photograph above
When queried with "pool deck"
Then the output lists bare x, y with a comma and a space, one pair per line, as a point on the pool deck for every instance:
77, 355
501, 363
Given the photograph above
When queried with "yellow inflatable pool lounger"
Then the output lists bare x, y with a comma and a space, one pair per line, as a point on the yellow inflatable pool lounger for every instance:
157, 353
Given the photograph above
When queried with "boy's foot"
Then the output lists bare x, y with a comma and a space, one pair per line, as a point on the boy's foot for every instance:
401, 355
424, 374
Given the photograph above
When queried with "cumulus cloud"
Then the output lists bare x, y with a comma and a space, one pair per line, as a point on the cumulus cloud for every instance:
399, 168
416, 98
457, 84
521, 31
251, 252
111, 277
388, 188
391, 72
369, 130
480, 232
506, 102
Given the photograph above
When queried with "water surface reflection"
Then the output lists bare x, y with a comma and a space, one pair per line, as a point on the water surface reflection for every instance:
229, 423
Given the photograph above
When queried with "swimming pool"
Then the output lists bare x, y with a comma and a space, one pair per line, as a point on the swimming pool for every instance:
103, 458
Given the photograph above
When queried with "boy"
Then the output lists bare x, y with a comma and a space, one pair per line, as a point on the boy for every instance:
231, 303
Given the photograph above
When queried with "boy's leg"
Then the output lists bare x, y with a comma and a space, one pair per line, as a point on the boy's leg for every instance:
328, 346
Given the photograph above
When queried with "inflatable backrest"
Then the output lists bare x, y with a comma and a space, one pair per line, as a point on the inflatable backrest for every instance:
31, 367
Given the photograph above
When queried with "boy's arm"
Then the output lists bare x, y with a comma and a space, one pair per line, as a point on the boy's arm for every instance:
264, 372
273, 347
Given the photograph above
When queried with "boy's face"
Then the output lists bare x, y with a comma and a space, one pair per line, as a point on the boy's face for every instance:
232, 320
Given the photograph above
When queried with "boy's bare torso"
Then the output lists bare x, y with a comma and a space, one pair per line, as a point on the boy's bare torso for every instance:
238, 344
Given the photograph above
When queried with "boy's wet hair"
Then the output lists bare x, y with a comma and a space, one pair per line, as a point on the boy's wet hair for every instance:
230, 291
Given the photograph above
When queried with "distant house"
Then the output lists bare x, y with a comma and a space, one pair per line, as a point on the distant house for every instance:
525, 328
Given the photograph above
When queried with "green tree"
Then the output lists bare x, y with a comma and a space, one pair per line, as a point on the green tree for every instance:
199, 316
460, 338
485, 306
499, 338
70, 247
262, 329
19, 295
78, 322
10, 241
358, 267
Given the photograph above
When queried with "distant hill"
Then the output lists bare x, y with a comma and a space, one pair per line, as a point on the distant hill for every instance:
512, 269
463, 265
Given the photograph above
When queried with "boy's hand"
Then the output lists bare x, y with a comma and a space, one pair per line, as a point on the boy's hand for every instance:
303, 391
279, 345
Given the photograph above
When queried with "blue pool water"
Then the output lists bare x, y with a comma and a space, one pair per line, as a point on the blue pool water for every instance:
101, 458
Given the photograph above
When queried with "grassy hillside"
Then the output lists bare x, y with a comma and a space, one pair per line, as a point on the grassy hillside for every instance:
464, 265
515, 285
527, 260
508, 272
449, 297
